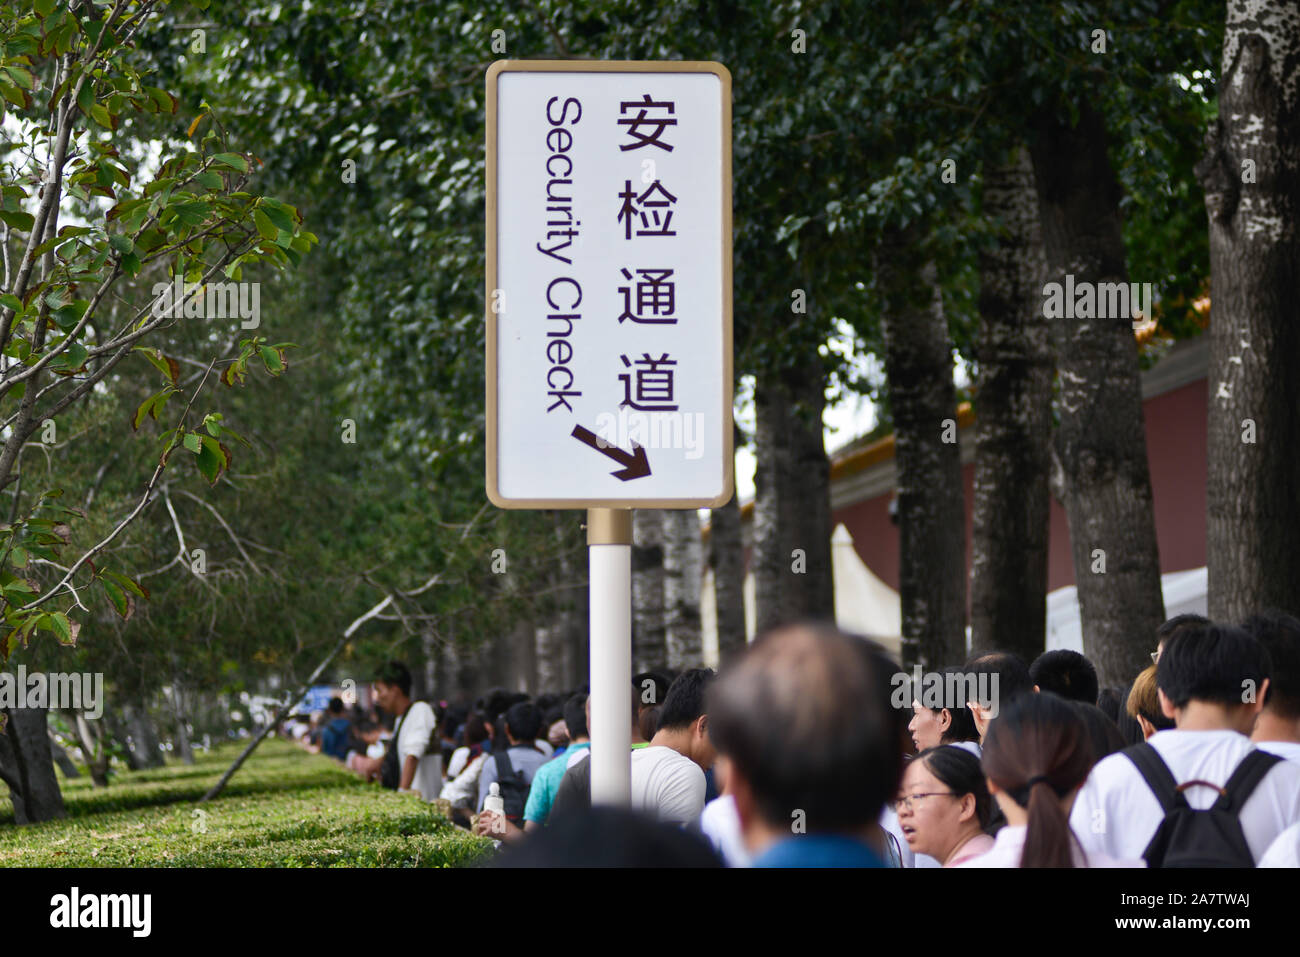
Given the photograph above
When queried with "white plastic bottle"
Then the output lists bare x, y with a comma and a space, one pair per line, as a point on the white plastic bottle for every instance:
494, 802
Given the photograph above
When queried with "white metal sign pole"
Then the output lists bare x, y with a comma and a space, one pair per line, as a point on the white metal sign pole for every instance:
609, 549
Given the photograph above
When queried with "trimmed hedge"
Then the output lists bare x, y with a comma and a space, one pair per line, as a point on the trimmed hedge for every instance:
284, 808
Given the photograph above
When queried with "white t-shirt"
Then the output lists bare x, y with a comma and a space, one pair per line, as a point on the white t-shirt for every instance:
1010, 844
667, 783
720, 823
1289, 750
1285, 851
418, 726
1117, 814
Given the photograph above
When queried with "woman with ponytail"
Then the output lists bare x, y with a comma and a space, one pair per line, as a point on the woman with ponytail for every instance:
1037, 754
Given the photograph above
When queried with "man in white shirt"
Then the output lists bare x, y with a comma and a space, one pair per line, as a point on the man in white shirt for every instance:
668, 773
416, 726
1278, 727
1212, 681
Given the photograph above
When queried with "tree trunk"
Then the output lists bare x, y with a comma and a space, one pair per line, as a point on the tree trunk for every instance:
931, 500
94, 748
27, 767
1100, 446
1251, 175
683, 565
59, 755
144, 738
649, 638
555, 635
181, 738
792, 502
1013, 421
727, 559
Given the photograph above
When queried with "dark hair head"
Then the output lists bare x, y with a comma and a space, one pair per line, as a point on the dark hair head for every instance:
804, 716
1103, 734
336, 705
1065, 673
960, 772
1215, 663
1112, 702
395, 674
575, 716
962, 727
609, 837
647, 722
1038, 752
652, 686
524, 721
1013, 674
1279, 633
685, 701
475, 729
1176, 624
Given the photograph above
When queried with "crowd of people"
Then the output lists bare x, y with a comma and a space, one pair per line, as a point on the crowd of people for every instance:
798, 755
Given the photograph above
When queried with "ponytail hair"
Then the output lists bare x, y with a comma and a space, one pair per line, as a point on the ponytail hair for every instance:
1037, 750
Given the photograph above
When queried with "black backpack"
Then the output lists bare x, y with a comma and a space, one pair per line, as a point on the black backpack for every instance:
514, 789
390, 772
1200, 838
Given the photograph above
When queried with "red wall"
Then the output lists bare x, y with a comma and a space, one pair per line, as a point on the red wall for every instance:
1176, 452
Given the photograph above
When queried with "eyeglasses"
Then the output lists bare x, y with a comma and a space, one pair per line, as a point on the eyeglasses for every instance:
905, 803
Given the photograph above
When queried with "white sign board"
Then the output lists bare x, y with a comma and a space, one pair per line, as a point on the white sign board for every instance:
609, 365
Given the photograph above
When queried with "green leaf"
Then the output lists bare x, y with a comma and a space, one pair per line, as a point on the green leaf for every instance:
277, 215
193, 442
210, 463
18, 219
42, 7
72, 361
273, 359
129, 584
168, 366
233, 160
119, 598
264, 225
86, 96
99, 113
19, 557
62, 628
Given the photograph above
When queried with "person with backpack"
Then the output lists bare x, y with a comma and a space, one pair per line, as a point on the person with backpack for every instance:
512, 768
1200, 795
337, 733
413, 761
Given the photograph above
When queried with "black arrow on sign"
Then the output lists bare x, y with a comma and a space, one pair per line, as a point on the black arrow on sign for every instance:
635, 464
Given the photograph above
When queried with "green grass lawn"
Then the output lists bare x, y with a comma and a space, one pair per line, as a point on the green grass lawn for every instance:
285, 808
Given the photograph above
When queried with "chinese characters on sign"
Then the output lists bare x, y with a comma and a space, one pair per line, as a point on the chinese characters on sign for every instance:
649, 389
